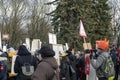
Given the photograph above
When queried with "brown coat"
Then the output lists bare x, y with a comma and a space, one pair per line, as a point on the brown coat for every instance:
45, 69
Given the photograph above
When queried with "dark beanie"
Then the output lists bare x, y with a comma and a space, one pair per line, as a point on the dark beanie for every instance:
46, 51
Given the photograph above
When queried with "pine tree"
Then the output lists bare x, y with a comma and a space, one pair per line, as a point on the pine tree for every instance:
95, 17
102, 19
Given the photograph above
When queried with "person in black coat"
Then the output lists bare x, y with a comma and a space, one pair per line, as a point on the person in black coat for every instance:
80, 64
72, 60
64, 67
24, 56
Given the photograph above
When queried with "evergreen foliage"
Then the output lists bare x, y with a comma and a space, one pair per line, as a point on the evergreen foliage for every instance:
94, 15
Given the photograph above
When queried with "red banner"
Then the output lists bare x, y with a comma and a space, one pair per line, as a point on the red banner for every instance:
87, 64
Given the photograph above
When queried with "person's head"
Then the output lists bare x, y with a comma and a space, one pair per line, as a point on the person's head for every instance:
23, 51
78, 53
46, 51
102, 45
37, 55
113, 47
62, 54
70, 51
87, 51
3, 54
11, 52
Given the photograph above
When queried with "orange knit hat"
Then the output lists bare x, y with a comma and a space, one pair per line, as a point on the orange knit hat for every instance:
103, 44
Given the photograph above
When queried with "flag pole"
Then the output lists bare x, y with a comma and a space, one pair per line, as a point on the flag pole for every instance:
84, 39
83, 34
85, 42
87, 47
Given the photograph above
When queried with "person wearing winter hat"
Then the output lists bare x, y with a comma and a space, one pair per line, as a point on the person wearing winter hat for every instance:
46, 51
102, 46
47, 68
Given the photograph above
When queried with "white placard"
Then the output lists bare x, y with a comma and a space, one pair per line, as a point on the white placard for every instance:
52, 38
5, 36
28, 43
36, 44
67, 47
57, 48
4, 48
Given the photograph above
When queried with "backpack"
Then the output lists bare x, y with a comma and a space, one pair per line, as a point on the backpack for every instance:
27, 68
109, 70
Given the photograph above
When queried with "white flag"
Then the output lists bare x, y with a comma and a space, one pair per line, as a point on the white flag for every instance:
82, 30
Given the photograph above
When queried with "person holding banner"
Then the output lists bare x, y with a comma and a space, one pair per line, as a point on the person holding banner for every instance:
83, 65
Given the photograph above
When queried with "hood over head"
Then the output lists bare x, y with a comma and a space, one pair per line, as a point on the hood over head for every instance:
23, 51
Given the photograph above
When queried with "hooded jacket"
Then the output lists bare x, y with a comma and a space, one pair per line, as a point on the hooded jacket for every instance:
24, 56
45, 70
99, 64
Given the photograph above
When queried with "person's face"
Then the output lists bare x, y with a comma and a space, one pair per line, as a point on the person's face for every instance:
77, 55
98, 51
39, 57
73, 51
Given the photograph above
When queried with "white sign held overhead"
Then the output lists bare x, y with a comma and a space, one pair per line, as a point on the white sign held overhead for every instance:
5, 36
57, 48
4, 48
67, 47
28, 43
52, 38
36, 44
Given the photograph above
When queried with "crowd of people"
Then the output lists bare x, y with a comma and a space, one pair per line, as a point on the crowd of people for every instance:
43, 65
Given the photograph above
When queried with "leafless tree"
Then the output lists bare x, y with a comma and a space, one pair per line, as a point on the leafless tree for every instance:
24, 18
115, 10
12, 13
39, 21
